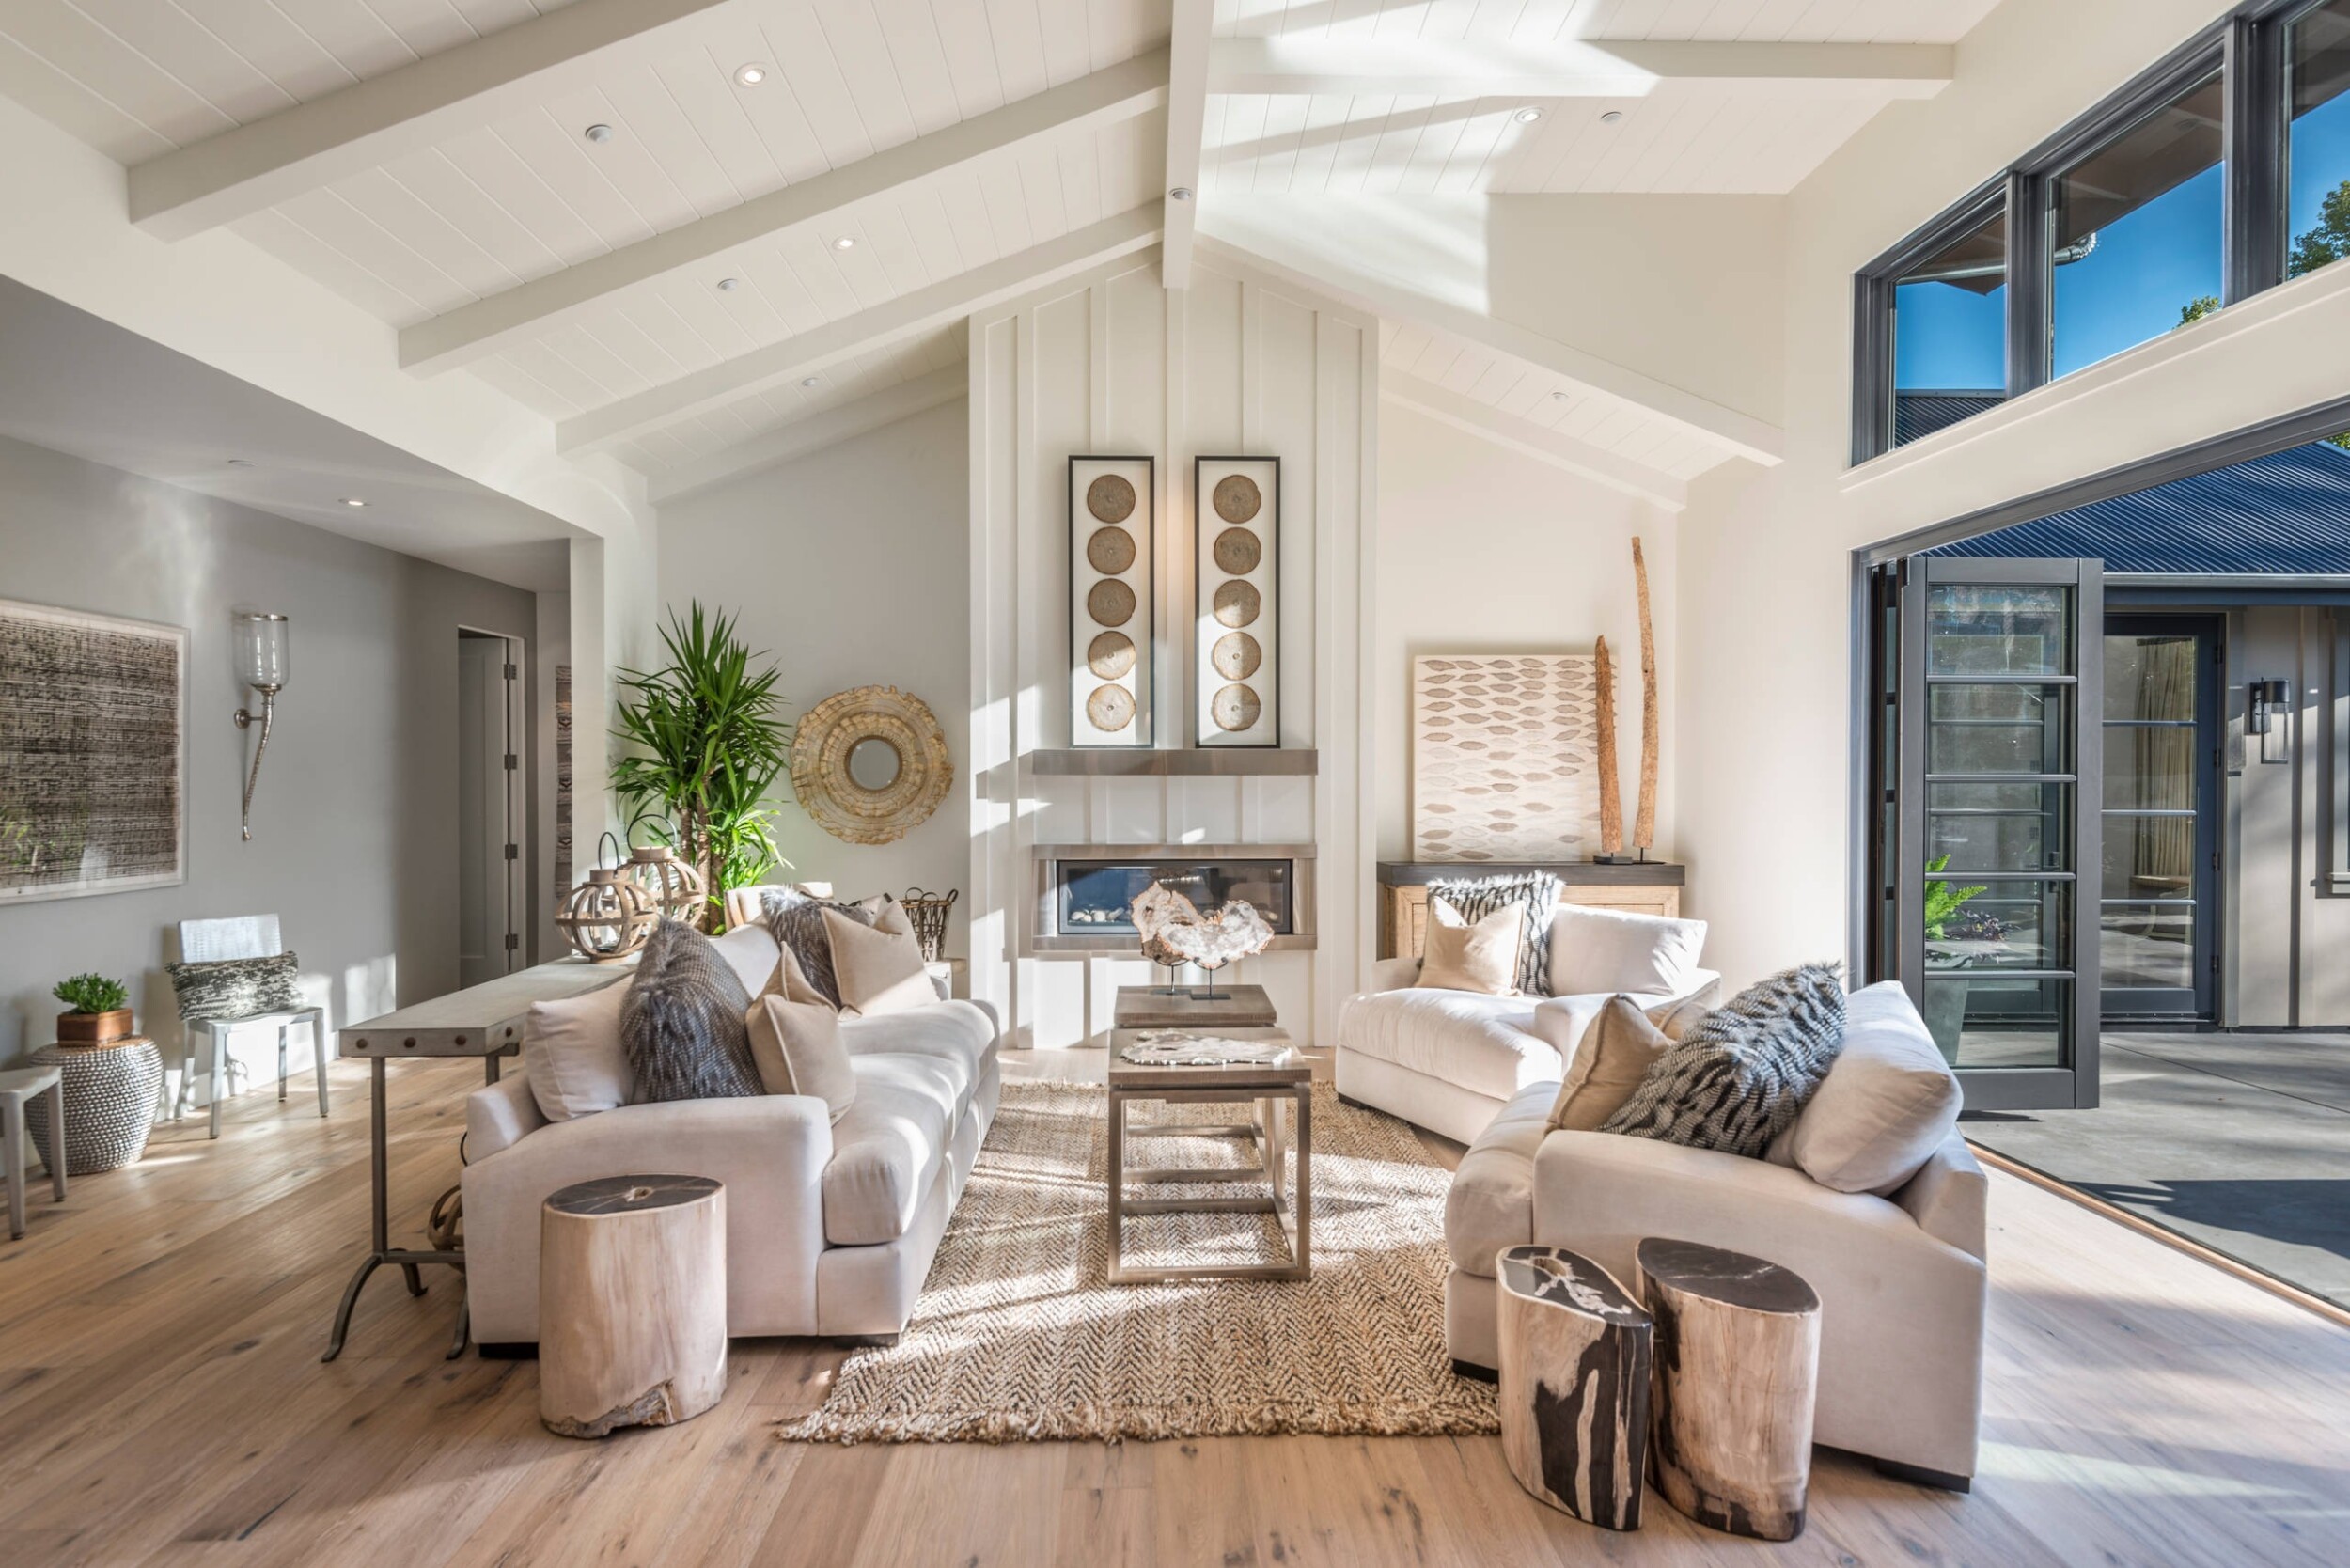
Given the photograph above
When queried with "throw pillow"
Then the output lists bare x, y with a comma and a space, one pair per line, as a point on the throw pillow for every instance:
877, 970
1537, 894
1620, 949
572, 1056
1615, 1057
1740, 1076
224, 988
797, 921
1680, 1015
681, 1021
789, 981
1482, 955
1884, 1107
798, 1049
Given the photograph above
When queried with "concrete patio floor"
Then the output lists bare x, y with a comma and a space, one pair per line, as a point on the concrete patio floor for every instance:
2240, 1141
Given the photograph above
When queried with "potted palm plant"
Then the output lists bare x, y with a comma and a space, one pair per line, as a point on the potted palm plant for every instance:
97, 1009
1945, 1006
706, 745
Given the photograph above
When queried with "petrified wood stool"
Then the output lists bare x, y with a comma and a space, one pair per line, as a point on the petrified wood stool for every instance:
632, 1303
1737, 1369
1574, 1384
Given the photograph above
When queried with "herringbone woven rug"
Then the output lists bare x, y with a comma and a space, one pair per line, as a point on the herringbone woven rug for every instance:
1019, 1337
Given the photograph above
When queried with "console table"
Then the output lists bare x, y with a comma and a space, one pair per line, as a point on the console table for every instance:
484, 1021
1642, 886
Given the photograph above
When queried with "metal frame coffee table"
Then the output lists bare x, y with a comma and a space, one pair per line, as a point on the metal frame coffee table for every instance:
1280, 1096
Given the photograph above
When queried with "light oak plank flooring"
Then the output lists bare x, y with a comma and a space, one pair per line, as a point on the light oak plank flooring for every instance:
161, 1401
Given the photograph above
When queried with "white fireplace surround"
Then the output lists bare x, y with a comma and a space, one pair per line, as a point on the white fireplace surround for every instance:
1044, 932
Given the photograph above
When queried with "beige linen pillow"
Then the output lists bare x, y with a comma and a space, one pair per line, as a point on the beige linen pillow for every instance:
572, 1055
1888, 1103
877, 970
798, 1050
1458, 956
789, 981
1620, 949
1617, 1050
1677, 1017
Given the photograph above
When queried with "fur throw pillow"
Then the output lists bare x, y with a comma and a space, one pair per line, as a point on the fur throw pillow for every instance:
681, 1022
1743, 1073
797, 923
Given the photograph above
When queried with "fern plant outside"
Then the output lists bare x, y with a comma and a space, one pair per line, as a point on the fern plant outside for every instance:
705, 744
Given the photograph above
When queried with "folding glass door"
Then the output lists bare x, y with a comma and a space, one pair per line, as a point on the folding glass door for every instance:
2157, 926
1984, 752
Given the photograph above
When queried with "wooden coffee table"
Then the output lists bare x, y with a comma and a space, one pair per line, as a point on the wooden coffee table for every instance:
1280, 1097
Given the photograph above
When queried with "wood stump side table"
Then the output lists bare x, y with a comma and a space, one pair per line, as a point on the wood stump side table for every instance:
111, 1090
632, 1303
1737, 1357
1574, 1384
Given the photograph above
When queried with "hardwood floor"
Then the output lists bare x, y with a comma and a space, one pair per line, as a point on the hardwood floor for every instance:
161, 1401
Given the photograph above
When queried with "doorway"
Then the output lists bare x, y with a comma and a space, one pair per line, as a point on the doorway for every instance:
489, 805
2157, 910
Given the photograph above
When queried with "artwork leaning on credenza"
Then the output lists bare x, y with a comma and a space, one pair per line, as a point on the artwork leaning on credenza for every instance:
1112, 599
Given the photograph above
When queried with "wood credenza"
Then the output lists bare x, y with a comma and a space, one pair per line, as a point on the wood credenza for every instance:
1645, 887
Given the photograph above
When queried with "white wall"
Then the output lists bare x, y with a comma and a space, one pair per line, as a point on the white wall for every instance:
1112, 362
852, 567
353, 845
1482, 549
1764, 613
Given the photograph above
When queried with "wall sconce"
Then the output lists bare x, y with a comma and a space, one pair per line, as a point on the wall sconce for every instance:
261, 656
2266, 698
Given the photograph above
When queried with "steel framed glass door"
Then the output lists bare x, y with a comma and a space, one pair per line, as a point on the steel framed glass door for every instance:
1985, 752
2157, 887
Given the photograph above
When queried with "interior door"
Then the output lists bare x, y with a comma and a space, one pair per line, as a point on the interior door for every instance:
1985, 750
2157, 887
488, 939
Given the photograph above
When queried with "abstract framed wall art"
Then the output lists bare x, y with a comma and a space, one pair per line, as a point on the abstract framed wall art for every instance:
1113, 603
93, 774
1236, 646
1505, 757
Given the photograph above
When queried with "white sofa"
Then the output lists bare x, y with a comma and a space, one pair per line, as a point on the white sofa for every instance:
1900, 1278
1450, 1060
830, 1226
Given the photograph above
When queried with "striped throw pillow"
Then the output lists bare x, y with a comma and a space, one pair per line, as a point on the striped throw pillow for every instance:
225, 989
1743, 1073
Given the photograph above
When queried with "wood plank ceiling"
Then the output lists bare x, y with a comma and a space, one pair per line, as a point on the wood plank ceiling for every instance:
454, 237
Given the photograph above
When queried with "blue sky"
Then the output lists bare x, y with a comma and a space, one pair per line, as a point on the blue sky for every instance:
2130, 288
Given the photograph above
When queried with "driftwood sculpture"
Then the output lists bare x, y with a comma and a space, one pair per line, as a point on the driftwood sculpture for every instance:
1644, 822
1610, 797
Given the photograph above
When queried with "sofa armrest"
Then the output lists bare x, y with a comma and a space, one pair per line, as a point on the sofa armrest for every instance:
1950, 1198
769, 1150
1560, 1021
1392, 974
500, 1115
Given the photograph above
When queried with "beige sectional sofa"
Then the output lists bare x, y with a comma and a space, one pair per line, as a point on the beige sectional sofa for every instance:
830, 1226
1900, 1271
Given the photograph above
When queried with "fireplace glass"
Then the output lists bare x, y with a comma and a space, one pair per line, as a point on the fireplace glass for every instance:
1095, 896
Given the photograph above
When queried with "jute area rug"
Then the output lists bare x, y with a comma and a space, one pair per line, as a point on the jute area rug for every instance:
1019, 1337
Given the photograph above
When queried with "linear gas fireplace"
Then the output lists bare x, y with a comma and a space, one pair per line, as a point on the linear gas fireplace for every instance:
1084, 893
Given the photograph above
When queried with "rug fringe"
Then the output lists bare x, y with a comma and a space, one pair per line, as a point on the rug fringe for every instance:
1096, 1424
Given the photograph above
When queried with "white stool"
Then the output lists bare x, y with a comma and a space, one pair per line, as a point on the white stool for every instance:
16, 1088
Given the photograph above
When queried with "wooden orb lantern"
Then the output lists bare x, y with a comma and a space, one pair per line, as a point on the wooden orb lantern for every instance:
675, 886
608, 917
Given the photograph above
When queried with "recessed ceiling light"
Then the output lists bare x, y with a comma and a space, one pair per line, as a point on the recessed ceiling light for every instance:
729, 285
354, 501
240, 463
846, 241
750, 75
1562, 397
1181, 193
811, 381
598, 133
1528, 115
1611, 117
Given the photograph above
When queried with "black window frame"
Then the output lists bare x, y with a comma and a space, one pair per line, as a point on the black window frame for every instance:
2247, 48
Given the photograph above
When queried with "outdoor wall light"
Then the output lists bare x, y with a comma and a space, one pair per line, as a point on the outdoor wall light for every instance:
2266, 698
262, 656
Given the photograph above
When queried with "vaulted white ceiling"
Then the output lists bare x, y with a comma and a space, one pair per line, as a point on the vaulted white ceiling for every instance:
738, 257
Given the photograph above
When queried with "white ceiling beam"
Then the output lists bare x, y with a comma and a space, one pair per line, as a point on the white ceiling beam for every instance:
455, 338
1186, 125
278, 157
813, 433
924, 309
1306, 65
1741, 434
1580, 458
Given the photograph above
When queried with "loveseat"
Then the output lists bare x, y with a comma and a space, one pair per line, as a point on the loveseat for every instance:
1450, 1060
830, 1226
1897, 1257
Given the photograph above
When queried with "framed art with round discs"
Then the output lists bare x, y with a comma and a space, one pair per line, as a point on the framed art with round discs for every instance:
1236, 654
1112, 599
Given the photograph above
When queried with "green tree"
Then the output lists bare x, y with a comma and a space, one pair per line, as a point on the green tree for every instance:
2198, 307
2329, 241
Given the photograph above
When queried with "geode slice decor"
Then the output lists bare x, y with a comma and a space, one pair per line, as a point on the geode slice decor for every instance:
1173, 932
